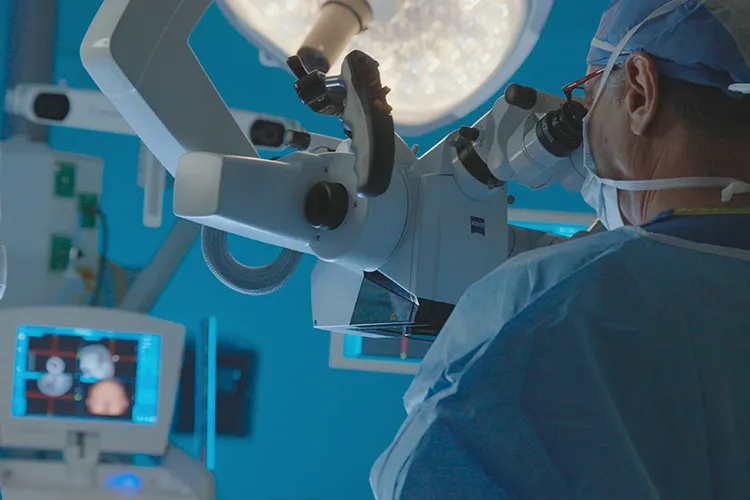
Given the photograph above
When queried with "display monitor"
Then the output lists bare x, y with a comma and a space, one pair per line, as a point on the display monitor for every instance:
72, 371
83, 373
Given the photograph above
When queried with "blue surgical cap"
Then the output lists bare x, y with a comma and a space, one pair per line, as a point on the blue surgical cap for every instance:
688, 43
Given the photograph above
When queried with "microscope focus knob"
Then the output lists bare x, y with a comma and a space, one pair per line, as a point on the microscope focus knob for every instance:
326, 205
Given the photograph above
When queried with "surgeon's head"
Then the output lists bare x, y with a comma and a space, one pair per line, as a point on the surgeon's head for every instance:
666, 110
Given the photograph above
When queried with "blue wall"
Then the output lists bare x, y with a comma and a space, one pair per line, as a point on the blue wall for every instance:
317, 430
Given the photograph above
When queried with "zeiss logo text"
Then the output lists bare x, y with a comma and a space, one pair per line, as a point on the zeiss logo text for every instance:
477, 226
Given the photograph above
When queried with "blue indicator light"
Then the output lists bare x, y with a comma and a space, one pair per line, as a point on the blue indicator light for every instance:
124, 482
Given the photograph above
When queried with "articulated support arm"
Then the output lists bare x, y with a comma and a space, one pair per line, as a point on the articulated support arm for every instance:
137, 52
399, 238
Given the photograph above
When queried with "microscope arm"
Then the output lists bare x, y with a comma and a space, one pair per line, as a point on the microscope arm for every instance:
137, 52
61, 106
373, 214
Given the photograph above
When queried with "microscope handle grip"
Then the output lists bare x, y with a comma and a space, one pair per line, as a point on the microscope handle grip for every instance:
368, 115
382, 156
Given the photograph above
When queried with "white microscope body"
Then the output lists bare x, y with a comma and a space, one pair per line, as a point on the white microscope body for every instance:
81, 443
61, 106
399, 238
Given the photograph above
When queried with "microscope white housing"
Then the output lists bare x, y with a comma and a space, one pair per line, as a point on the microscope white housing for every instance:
56, 402
391, 262
60, 106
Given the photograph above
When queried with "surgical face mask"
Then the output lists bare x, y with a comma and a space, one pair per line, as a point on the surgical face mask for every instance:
601, 194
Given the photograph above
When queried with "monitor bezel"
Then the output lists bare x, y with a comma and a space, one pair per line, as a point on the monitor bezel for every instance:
113, 436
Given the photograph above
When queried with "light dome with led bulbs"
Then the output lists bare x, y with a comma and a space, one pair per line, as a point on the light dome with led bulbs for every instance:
441, 58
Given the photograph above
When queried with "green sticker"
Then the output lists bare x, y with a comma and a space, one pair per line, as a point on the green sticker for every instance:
60, 252
88, 204
65, 179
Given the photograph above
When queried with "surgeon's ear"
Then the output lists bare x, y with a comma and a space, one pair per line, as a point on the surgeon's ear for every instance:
642, 96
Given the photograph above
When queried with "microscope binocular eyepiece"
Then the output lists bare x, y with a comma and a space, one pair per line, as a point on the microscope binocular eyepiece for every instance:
561, 131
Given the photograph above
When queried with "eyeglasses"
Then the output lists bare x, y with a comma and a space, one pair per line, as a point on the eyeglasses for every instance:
581, 82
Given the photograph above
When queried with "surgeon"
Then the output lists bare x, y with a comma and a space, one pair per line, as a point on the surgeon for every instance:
614, 366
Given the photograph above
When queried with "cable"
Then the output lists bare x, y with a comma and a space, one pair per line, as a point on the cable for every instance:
122, 283
104, 228
239, 277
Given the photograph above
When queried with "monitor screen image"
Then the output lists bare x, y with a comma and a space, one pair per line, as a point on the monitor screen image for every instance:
89, 374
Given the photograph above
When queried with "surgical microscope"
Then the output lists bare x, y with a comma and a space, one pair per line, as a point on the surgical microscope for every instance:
398, 237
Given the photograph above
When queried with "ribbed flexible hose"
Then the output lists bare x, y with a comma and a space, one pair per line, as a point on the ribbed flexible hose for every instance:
239, 277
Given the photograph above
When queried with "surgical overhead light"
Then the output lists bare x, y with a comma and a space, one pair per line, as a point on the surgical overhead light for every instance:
442, 58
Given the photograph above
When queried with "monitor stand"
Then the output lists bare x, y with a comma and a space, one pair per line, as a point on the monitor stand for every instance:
84, 472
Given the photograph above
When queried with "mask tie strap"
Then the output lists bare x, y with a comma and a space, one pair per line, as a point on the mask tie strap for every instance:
733, 189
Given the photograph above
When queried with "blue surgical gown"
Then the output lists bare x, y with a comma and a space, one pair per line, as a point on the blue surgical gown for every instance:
615, 366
